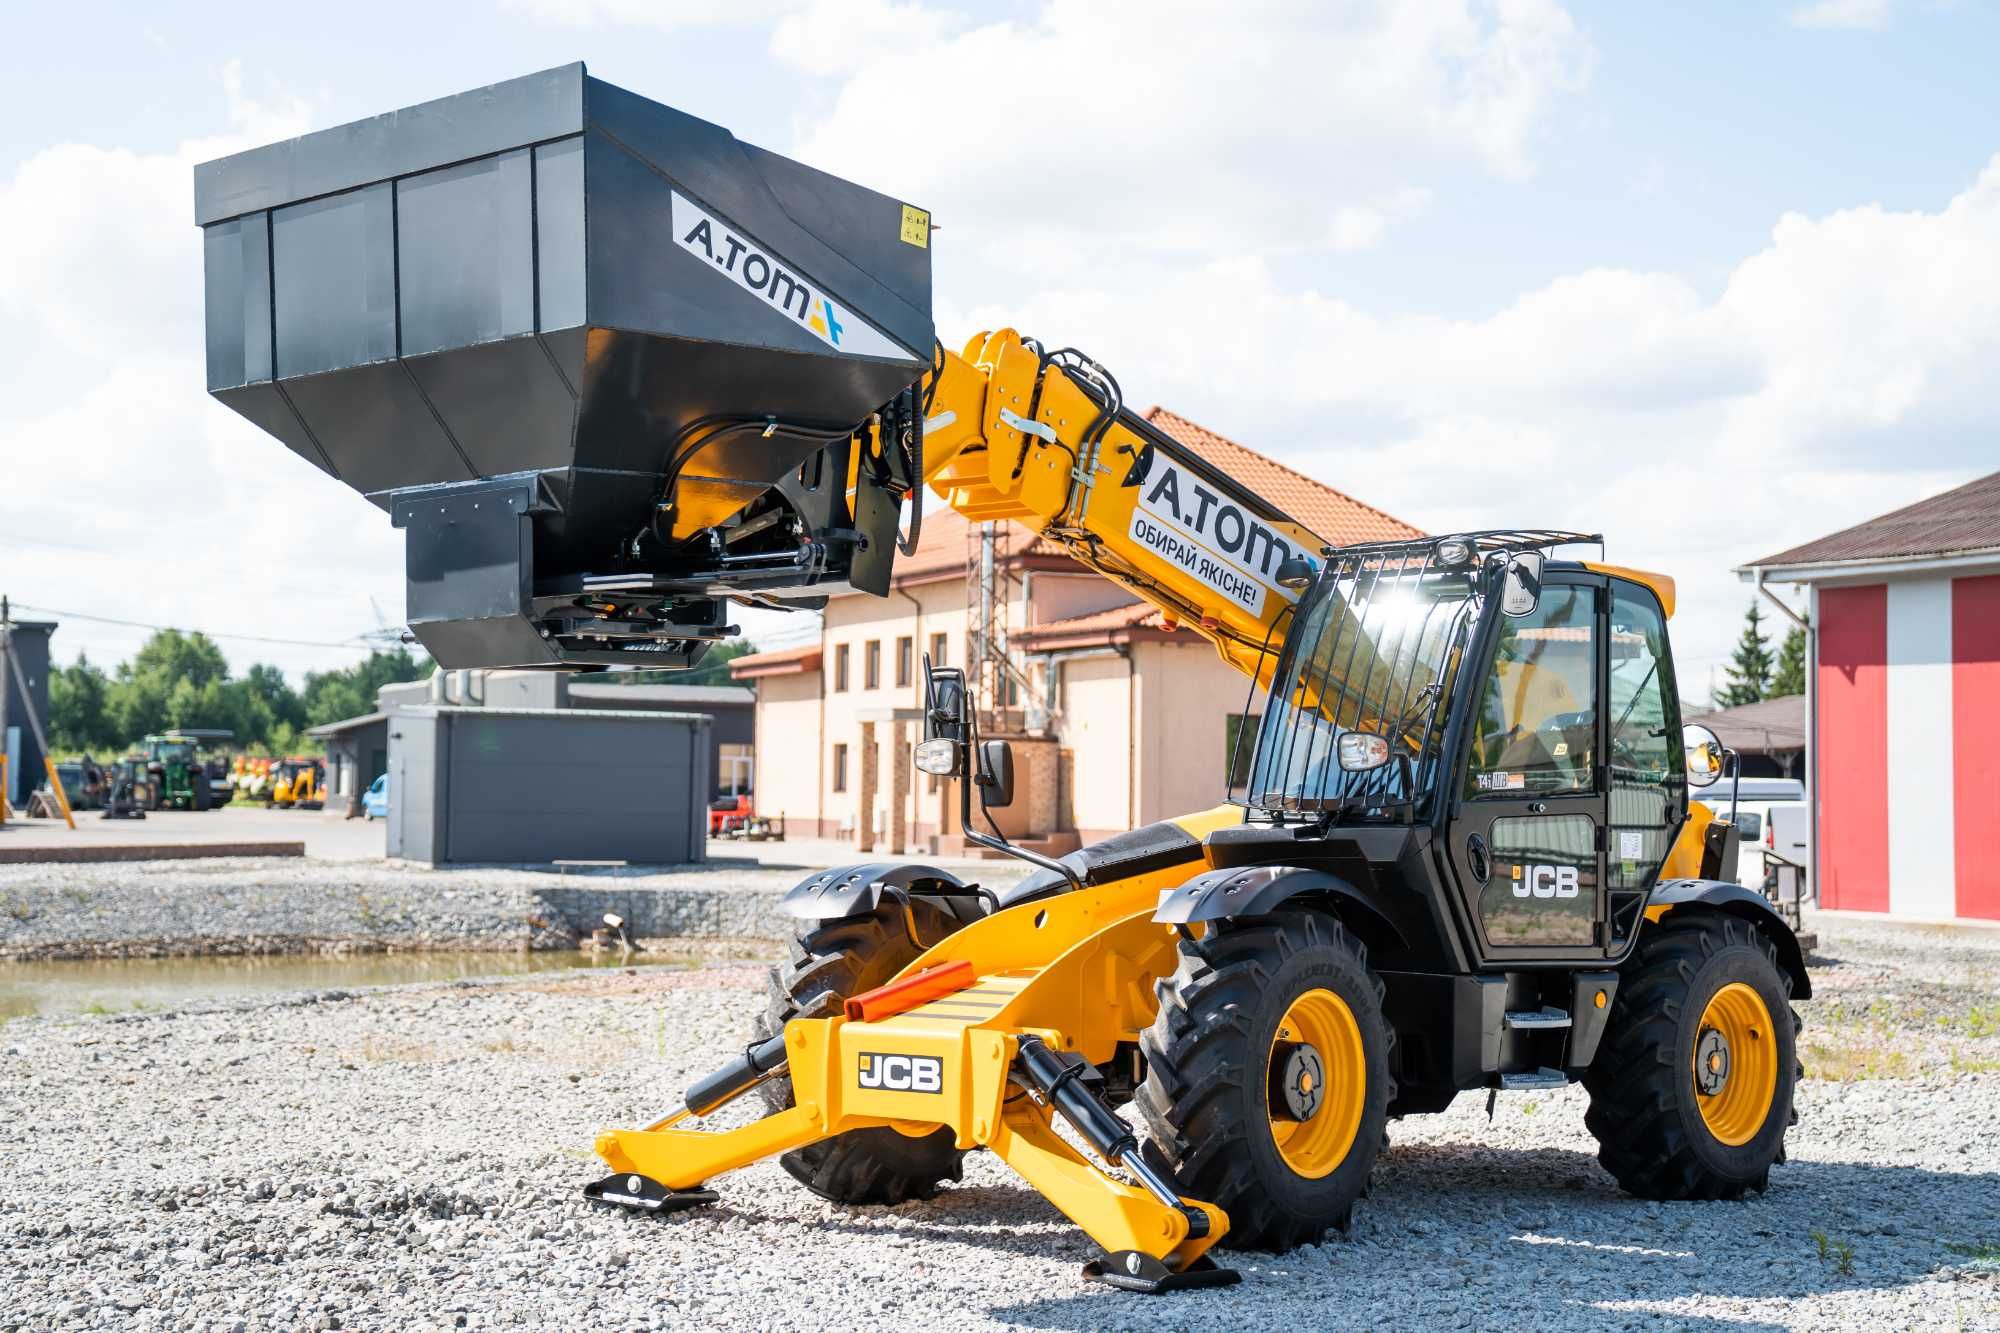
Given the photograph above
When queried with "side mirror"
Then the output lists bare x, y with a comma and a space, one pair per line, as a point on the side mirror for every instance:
1704, 755
996, 774
1296, 572
1521, 592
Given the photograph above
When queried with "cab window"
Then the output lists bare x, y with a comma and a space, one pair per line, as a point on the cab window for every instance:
1642, 751
1536, 730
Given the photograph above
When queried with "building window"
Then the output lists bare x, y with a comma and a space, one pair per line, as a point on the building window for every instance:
840, 668
1239, 734
737, 769
872, 671
840, 768
905, 650
938, 642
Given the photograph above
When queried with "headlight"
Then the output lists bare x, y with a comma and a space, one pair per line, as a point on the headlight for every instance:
939, 758
1360, 751
1453, 552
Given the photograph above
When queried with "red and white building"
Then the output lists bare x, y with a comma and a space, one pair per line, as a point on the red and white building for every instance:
1903, 707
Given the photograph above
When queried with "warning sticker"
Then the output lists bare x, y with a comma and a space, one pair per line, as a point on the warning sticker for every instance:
1631, 844
777, 284
1191, 523
916, 227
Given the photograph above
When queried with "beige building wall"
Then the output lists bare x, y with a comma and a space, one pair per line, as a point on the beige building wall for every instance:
920, 614
1096, 728
789, 778
1053, 596
1186, 696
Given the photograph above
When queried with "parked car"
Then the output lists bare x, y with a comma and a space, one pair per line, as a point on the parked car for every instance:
375, 801
1759, 802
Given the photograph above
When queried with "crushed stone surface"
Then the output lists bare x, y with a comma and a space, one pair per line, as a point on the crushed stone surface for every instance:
410, 1158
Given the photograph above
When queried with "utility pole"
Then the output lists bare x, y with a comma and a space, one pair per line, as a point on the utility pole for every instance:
6, 689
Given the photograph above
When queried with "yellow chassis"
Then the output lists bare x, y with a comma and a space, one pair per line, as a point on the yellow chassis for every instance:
1076, 970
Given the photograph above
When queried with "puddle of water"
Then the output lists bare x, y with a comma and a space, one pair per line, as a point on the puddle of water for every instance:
123, 985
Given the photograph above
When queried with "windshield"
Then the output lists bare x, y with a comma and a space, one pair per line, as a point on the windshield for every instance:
1373, 650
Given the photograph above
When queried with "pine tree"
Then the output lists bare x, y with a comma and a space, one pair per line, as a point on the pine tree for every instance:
1749, 670
1790, 675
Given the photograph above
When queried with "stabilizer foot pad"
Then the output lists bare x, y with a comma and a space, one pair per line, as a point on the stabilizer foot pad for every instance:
645, 1195
1129, 1270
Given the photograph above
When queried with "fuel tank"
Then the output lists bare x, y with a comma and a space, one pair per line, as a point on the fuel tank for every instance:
602, 361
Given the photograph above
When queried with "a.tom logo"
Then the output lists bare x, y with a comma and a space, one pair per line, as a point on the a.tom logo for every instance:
1545, 881
901, 1073
779, 285
1209, 536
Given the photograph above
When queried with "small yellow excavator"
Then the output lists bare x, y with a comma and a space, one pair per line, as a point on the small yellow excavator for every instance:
686, 373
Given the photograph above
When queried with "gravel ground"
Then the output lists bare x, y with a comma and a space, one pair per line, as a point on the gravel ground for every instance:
250, 906
155, 909
410, 1157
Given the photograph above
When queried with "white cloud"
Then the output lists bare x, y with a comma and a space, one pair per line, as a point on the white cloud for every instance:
1183, 128
1362, 226
1843, 370
1866, 14
1356, 228
141, 498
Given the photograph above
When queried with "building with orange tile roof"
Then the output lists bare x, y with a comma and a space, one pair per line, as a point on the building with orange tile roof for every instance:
1117, 717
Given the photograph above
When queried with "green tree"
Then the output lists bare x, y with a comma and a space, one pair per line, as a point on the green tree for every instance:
78, 715
1789, 676
1749, 670
347, 692
148, 691
265, 684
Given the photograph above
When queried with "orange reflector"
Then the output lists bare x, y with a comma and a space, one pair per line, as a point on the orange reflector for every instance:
897, 996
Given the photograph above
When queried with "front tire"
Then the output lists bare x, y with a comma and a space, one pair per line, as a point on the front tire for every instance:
846, 957
1267, 1076
1691, 1090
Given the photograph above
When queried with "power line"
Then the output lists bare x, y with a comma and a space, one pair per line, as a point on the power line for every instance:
357, 641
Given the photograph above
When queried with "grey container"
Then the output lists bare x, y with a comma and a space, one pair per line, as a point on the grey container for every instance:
530, 786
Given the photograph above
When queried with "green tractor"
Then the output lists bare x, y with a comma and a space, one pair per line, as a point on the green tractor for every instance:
178, 778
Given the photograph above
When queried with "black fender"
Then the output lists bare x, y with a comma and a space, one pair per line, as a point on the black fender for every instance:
1255, 890
857, 890
1725, 896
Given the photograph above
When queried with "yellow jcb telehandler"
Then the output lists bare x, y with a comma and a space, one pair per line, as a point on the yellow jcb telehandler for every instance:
627, 372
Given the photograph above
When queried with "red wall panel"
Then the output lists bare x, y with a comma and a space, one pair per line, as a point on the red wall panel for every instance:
1975, 744
1853, 767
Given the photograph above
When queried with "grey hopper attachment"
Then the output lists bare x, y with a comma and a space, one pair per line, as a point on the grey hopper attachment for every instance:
601, 361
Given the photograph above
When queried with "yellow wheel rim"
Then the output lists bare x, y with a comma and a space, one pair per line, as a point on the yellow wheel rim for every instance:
1735, 1064
1319, 1019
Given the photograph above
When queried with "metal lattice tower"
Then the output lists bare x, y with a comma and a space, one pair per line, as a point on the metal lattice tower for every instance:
992, 588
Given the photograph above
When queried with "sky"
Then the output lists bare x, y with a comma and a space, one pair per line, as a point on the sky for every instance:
1712, 279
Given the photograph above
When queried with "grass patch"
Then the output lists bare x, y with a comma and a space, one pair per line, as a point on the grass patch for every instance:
1834, 1252
98, 1008
1866, 1055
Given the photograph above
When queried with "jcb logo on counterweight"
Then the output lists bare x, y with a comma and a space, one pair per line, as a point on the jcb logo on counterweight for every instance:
1545, 881
902, 1073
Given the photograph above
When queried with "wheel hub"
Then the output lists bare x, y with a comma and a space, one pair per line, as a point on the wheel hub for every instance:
1298, 1077
1711, 1062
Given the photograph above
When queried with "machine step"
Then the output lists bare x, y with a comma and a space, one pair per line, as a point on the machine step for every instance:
1545, 1017
1534, 1078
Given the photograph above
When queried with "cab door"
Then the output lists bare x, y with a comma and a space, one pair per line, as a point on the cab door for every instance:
1526, 837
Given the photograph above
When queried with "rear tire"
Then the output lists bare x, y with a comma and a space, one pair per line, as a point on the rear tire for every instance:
1211, 1055
1658, 1134
846, 957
